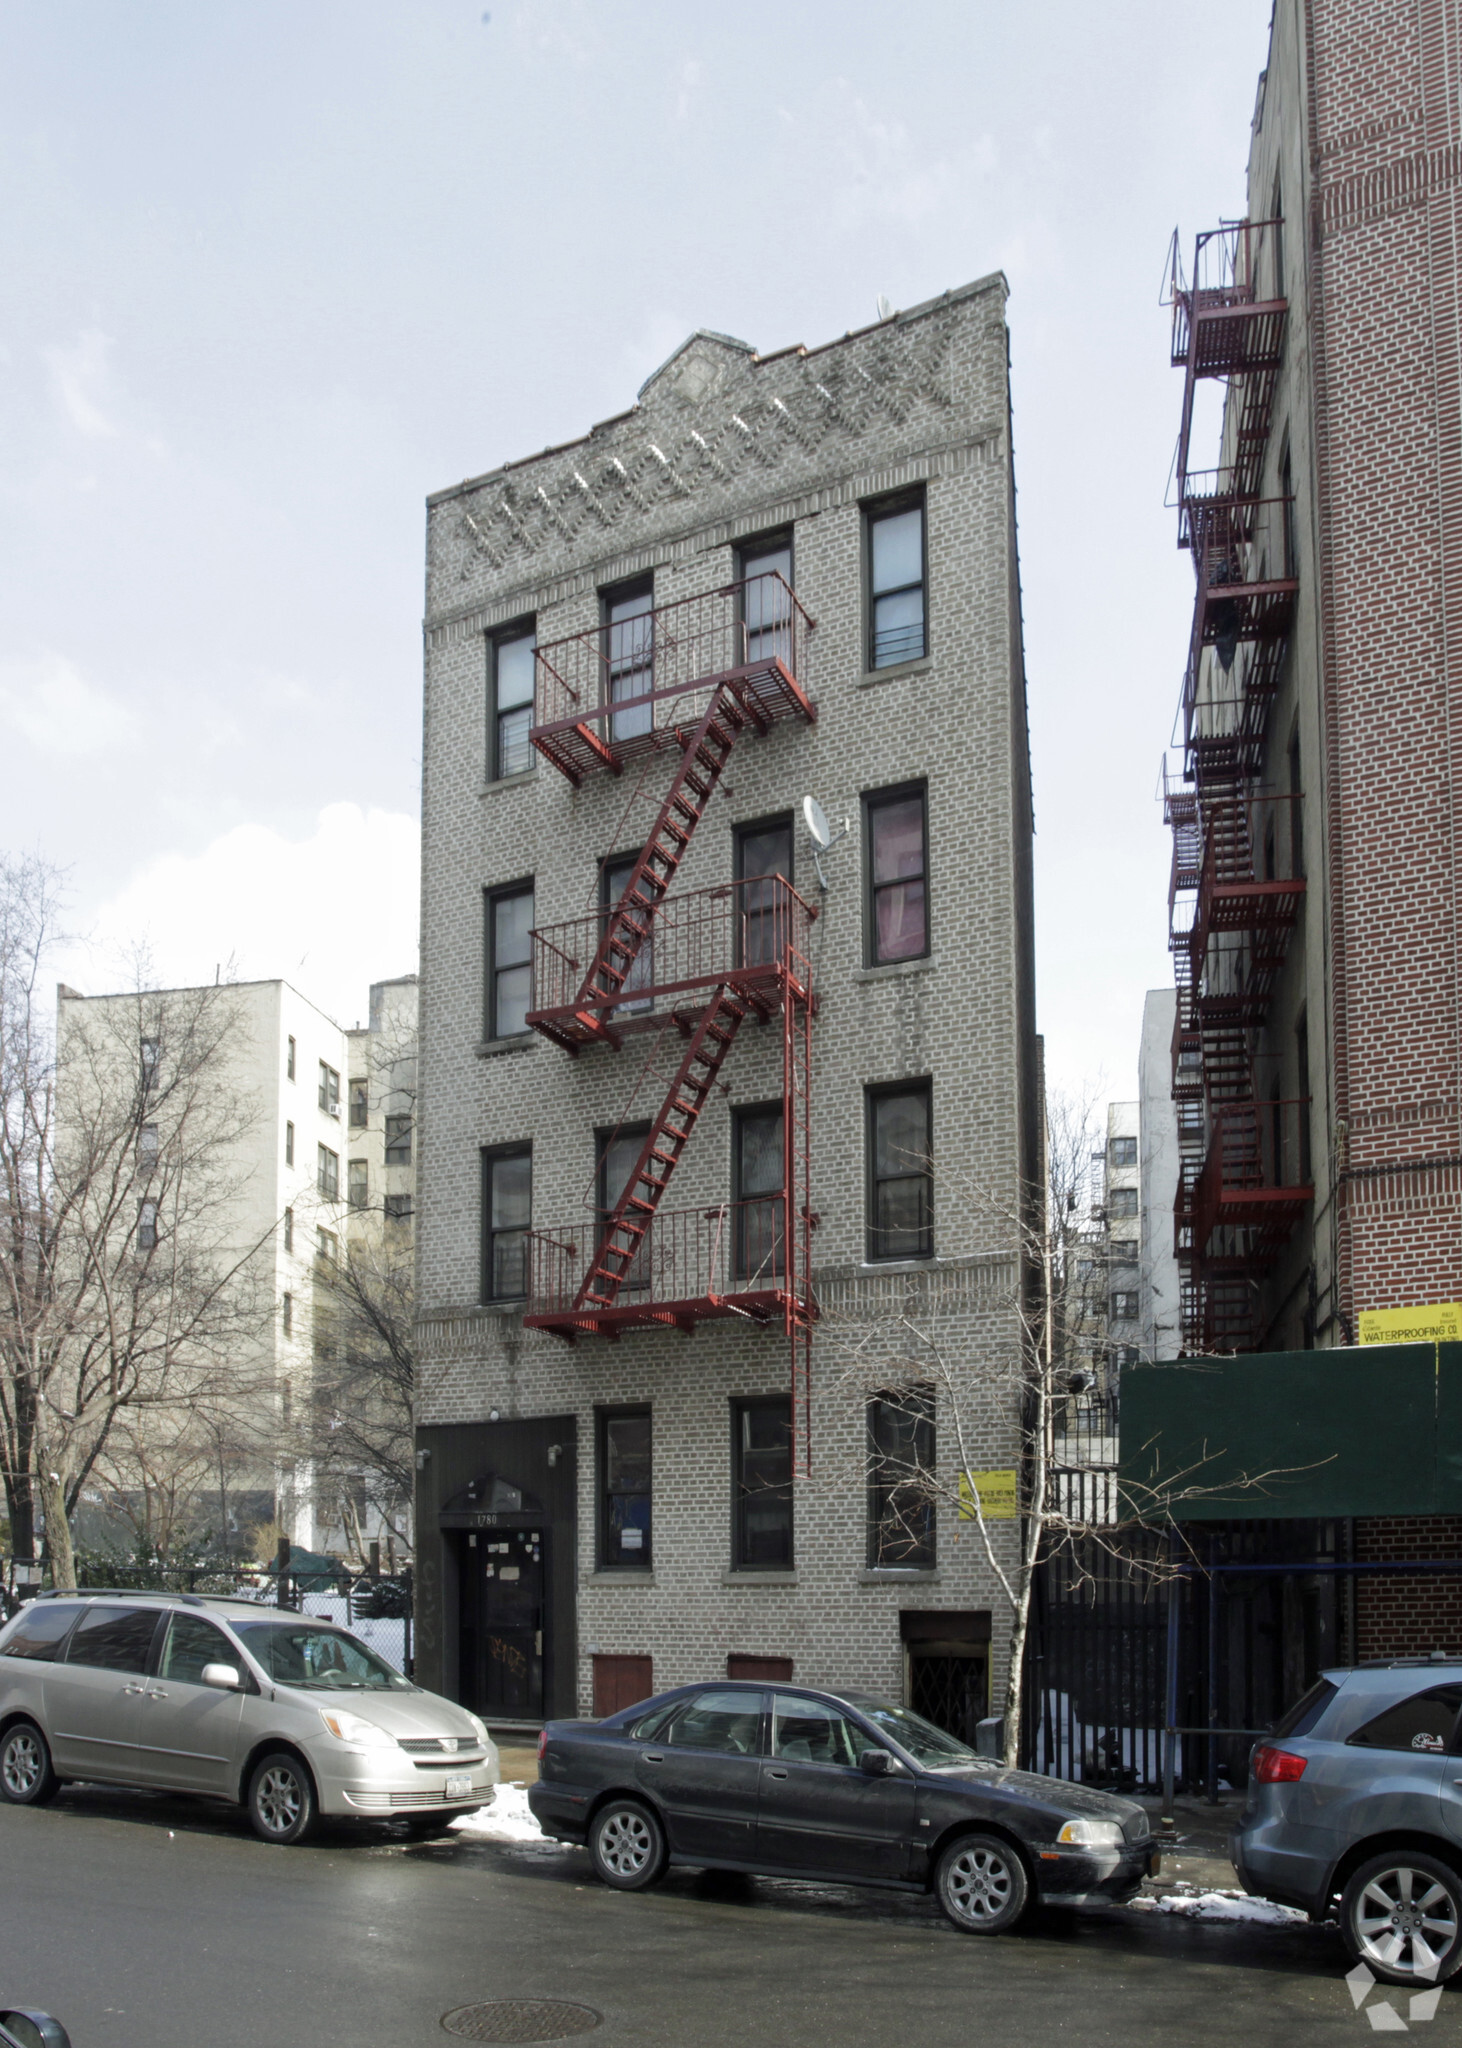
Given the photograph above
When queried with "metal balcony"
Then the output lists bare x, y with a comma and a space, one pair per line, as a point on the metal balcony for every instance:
607, 697
751, 936
1255, 1182
691, 1266
1230, 322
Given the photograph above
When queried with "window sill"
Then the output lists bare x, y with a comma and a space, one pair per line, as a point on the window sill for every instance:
521, 1041
629, 1576
901, 1575
899, 1265
508, 782
894, 672
893, 969
754, 1578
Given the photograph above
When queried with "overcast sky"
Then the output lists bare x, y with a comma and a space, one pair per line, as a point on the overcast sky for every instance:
275, 269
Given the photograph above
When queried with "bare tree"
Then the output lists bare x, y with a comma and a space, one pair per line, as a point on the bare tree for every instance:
124, 1290
360, 1436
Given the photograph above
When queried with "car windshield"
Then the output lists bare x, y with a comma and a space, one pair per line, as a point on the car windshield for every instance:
300, 1653
925, 1743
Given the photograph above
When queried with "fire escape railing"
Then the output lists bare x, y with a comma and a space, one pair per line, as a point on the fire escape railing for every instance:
692, 1265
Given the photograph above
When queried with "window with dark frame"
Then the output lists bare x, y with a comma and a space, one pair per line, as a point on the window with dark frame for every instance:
760, 853
509, 959
329, 1090
398, 1140
1123, 1151
287, 1314
625, 1479
327, 1173
147, 1145
900, 1173
507, 1196
327, 1245
151, 1055
617, 1154
289, 1230
1124, 1307
289, 1144
614, 878
147, 1226
761, 1484
1121, 1201
896, 836
360, 1105
359, 1184
900, 1479
896, 583
758, 1176
511, 668
765, 574
397, 1208
289, 1061
629, 656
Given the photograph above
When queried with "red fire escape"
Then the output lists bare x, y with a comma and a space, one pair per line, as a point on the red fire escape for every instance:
1237, 884
681, 971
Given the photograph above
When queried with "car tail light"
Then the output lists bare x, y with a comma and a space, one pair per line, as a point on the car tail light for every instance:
1277, 1766
542, 1743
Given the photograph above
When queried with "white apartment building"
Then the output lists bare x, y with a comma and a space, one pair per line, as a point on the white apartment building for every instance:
1159, 1156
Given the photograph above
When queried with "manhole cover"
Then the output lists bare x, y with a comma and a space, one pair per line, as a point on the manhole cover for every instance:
521, 2019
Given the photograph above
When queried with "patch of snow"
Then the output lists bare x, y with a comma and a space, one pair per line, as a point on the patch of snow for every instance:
1218, 1905
508, 1819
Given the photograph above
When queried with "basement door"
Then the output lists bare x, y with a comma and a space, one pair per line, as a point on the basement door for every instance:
502, 1624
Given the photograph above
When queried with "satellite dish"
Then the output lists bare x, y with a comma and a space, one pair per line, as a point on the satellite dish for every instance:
814, 817
885, 310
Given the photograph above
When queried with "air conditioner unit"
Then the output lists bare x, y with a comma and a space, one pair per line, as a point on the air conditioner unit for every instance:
334, 1110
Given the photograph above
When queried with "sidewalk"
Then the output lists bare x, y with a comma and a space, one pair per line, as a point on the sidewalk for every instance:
1201, 1857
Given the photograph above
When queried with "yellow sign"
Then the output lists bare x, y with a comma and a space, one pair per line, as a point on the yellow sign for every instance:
997, 1496
1433, 1322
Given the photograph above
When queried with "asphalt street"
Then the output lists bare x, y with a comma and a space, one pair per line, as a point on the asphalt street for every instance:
145, 1921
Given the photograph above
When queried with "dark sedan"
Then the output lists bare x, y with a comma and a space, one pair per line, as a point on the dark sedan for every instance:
839, 1786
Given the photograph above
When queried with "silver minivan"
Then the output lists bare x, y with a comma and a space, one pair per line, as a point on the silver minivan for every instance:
286, 1715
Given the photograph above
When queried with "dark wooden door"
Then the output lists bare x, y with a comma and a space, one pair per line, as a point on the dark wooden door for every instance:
504, 1623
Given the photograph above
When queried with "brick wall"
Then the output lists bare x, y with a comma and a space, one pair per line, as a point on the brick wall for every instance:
1408, 1614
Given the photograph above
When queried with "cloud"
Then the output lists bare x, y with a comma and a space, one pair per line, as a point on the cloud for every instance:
80, 380
50, 703
330, 913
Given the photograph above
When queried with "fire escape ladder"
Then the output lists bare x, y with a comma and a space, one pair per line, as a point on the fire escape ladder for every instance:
623, 1232
628, 924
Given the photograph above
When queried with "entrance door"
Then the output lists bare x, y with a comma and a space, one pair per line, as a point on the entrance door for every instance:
503, 1622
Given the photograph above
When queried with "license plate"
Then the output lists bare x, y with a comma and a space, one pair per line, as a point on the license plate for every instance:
459, 1788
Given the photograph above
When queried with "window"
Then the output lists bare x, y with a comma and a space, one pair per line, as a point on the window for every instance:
900, 1175
146, 1226
289, 1059
289, 1144
41, 1630
147, 1145
151, 1053
808, 1732
1124, 1307
398, 1141
327, 1173
114, 1638
761, 1484
286, 1315
1302, 1071
289, 1230
766, 601
398, 1208
507, 1187
327, 1244
1306, 1711
624, 1488
896, 838
192, 1643
509, 959
1123, 1151
1121, 1201
511, 664
360, 1184
618, 1153
629, 656
727, 1723
900, 1502
1425, 1722
614, 879
758, 1181
896, 584
761, 853
360, 1105
329, 1090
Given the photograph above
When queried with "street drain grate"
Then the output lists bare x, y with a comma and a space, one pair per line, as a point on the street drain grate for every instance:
521, 2019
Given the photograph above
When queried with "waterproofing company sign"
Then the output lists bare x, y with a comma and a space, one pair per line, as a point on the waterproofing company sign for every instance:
1431, 1322
997, 1496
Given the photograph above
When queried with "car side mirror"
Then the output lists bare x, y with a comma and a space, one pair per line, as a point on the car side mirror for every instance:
31, 2030
224, 1676
876, 1763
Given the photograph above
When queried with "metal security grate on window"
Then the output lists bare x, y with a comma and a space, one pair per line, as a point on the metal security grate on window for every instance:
952, 1692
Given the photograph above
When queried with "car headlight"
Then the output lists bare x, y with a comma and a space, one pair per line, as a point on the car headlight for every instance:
480, 1729
352, 1729
1092, 1834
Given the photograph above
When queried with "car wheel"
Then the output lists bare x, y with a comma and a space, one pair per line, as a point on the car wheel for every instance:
982, 1885
26, 1774
281, 1799
1401, 1915
627, 1845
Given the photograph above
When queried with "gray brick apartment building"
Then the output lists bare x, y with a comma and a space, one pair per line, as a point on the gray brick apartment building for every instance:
692, 1122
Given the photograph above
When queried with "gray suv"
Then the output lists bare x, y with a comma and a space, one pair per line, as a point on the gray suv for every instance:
288, 1716
1355, 1806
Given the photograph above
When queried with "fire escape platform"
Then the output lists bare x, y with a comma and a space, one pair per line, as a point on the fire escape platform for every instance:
752, 1304
596, 738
